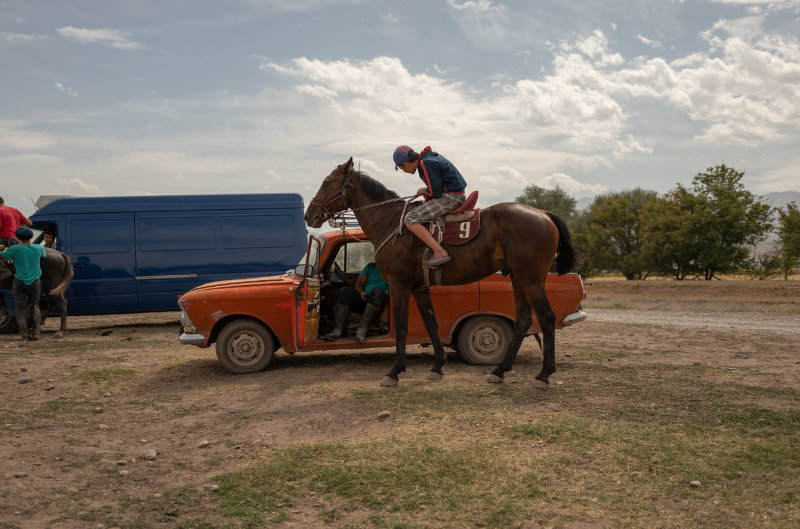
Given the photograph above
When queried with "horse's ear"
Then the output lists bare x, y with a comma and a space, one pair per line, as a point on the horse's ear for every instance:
347, 169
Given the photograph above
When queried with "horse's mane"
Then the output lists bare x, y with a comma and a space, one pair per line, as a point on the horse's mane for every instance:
373, 189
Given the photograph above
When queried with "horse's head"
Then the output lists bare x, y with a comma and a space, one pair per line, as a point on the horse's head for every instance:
330, 197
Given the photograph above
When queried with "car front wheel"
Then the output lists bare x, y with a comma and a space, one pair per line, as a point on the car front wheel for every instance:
245, 346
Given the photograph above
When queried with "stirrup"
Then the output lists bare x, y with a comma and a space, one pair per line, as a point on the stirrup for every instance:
436, 261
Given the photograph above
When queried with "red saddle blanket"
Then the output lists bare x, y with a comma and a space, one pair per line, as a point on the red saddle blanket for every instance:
459, 229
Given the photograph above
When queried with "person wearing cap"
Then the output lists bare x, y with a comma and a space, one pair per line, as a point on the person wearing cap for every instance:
10, 220
27, 281
443, 192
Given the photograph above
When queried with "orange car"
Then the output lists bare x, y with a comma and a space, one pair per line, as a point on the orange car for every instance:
250, 319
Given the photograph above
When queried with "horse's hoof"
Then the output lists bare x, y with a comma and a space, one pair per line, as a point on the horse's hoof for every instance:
434, 376
494, 379
388, 382
540, 384
58, 335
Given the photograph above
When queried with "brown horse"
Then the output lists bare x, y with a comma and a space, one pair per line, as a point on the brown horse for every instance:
514, 238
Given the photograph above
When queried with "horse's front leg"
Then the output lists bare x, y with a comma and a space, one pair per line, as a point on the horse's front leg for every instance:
61, 303
400, 298
425, 305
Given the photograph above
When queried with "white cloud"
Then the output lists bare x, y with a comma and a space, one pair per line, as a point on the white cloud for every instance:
109, 37
486, 23
647, 42
13, 135
771, 5
80, 185
782, 179
570, 185
20, 37
66, 90
298, 6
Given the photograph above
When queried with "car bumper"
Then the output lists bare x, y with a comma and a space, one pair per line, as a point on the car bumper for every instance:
192, 339
576, 317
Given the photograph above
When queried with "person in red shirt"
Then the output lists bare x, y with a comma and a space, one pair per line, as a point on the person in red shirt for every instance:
10, 220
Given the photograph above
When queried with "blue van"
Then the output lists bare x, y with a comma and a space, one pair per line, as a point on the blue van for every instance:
137, 254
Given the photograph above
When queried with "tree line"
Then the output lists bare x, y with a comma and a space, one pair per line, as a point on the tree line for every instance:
710, 228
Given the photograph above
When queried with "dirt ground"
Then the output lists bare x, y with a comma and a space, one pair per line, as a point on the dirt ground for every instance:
118, 418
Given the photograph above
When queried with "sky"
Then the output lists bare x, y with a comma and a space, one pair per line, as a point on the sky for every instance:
112, 97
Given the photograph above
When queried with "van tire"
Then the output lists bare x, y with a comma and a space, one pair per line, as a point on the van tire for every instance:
245, 346
8, 323
483, 340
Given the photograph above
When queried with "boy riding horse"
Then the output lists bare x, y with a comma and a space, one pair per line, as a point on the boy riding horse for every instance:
443, 192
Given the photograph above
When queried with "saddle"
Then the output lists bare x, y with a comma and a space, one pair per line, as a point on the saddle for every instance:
458, 226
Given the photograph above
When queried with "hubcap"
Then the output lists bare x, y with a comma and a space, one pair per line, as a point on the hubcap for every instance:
246, 348
487, 340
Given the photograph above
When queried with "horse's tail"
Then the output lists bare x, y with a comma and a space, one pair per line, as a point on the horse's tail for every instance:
66, 277
566, 256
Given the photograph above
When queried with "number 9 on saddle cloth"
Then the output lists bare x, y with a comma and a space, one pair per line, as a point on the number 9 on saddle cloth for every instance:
457, 227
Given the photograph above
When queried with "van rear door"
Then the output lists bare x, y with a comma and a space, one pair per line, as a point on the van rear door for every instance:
102, 249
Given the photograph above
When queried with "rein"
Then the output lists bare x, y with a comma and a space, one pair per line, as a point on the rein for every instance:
341, 195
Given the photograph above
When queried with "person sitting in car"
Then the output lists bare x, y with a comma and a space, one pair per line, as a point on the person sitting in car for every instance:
368, 297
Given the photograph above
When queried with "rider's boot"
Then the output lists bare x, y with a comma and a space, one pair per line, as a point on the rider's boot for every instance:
340, 314
370, 313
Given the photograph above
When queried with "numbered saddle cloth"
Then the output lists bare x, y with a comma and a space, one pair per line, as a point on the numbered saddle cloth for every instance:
458, 229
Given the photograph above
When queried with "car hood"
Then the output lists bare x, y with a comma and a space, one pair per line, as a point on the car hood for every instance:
251, 282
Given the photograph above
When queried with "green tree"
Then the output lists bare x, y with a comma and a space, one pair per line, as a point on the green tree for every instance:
553, 200
788, 238
671, 242
726, 221
610, 236
763, 265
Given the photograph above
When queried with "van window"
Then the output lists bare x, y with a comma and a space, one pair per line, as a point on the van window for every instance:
257, 231
175, 233
101, 236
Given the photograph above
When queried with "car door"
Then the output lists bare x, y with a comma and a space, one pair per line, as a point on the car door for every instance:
307, 300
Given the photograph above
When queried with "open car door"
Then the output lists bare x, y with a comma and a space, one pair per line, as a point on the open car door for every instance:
307, 295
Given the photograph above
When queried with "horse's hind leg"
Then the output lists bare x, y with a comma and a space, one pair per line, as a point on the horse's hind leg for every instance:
547, 322
425, 305
522, 323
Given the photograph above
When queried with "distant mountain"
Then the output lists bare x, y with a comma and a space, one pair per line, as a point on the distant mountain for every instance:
781, 198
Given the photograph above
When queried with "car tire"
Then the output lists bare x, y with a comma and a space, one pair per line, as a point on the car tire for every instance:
483, 340
245, 346
8, 323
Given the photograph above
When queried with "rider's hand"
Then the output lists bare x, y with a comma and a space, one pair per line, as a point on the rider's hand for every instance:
421, 191
363, 295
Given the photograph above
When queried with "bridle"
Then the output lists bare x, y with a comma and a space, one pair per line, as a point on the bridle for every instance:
341, 195
324, 205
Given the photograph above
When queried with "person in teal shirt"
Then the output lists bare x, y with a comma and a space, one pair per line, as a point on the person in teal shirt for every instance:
27, 282
368, 297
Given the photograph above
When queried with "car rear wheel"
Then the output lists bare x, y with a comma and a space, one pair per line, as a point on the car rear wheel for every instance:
8, 322
245, 346
483, 340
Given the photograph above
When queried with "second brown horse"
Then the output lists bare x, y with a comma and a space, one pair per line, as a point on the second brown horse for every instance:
514, 239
